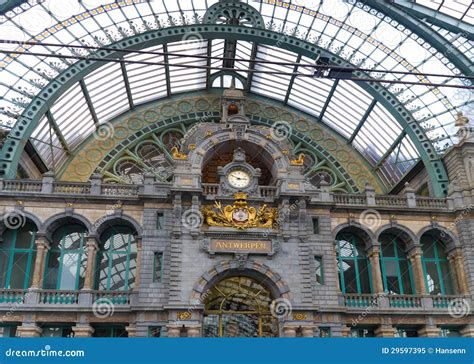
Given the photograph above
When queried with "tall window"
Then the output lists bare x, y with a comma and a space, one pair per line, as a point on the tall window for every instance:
396, 269
17, 257
66, 260
318, 261
116, 260
354, 268
437, 274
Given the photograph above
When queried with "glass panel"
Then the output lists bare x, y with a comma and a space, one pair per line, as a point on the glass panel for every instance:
239, 325
350, 276
405, 277
432, 278
19, 271
364, 277
447, 278
391, 276
52, 270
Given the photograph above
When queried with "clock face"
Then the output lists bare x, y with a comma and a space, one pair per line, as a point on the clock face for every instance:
238, 178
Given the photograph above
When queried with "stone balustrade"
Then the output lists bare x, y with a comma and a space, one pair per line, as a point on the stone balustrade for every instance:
393, 302
108, 190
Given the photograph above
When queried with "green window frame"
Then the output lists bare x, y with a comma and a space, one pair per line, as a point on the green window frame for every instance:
449, 332
116, 260
351, 253
398, 261
57, 331
325, 331
68, 248
157, 266
319, 274
17, 256
8, 330
154, 331
315, 222
160, 220
110, 331
441, 283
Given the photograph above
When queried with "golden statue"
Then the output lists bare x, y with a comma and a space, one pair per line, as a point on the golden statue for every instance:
299, 161
239, 215
177, 155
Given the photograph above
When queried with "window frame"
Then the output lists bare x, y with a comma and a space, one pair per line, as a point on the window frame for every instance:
318, 259
155, 256
13, 250
437, 261
355, 259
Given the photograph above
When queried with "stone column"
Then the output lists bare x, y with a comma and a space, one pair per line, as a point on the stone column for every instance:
373, 254
139, 264
456, 261
307, 331
173, 331
92, 248
384, 331
132, 330
29, 330
289, 331
346, 331
467, 331
193, 331
429, 331
82, 330
418, 276
42, 247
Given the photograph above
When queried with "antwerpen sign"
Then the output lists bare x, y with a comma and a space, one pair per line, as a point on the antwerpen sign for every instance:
241, 246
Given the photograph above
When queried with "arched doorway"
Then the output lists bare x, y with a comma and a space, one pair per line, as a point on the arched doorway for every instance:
239, 307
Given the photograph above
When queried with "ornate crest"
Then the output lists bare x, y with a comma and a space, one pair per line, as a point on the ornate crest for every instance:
239, 215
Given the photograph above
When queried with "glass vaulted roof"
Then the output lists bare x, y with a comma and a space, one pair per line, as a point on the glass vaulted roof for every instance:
364, 36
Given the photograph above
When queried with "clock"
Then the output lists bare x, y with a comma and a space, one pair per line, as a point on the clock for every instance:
238, 178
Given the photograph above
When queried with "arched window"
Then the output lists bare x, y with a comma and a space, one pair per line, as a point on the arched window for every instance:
438, 277
66, 260
354, 267
17, 257
396, 269
116, 260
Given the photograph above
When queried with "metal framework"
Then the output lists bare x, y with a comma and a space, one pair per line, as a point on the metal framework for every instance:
288, 38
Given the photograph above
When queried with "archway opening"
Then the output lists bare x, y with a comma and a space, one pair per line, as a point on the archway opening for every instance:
239, 307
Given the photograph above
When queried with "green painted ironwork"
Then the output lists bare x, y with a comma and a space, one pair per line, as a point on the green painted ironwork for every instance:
399, 258
353, 247
434, 252
17, 243
68, 242
28, 121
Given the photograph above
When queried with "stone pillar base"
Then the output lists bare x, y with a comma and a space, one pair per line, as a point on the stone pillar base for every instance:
384, 331
429, 332
194, 331
83, 330
173, 331
289, 331
131, 330
307, 331
29, 330
467, 331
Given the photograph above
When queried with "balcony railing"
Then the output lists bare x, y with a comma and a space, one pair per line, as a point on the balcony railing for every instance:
12, 295
403, 302
58, 297
113, 297
96, 188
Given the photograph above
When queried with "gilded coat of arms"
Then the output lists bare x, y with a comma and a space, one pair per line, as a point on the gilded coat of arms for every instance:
239, 215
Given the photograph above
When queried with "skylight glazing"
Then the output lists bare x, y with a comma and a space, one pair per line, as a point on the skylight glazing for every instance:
361, 35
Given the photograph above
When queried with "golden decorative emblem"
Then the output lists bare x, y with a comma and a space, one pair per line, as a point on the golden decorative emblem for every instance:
299, 316
19, 203
299, 161
192, 146
177, 155
185, 315
239, 215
